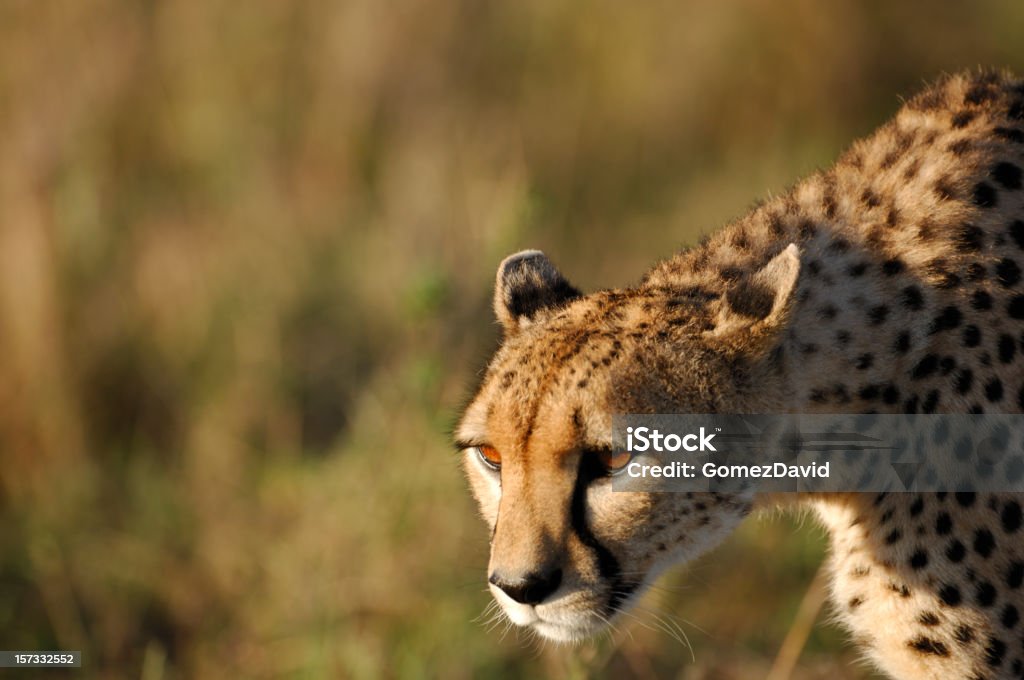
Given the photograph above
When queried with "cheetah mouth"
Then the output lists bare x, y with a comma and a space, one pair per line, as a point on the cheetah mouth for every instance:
565, 620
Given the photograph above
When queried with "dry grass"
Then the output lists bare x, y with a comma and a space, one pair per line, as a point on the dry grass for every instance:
245, 261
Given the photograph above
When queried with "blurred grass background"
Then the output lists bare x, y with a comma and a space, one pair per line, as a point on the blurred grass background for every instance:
246, 253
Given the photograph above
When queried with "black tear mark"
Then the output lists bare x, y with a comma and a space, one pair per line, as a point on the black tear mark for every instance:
607, 563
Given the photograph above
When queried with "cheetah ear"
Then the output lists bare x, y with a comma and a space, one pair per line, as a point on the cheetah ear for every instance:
527, 284
756, 309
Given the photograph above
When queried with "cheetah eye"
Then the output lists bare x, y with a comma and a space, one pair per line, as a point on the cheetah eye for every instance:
614, 461
489, 456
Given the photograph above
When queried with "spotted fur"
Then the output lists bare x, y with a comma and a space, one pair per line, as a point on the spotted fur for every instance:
890, 283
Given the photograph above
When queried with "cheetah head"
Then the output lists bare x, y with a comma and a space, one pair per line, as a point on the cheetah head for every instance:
569, 554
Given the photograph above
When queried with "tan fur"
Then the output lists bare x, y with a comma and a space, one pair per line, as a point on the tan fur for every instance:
889, 283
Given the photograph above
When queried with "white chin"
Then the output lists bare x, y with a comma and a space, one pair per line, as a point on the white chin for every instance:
558, 632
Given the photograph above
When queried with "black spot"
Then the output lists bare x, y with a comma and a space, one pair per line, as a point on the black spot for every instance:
925, 367
901, 590
919, 560
985, 594
894, 536
864, 361
1008, 272
1007, 175
965, 498
1010, 616
949, 318
994, 652
994, 390
947, 365
1007, 348
877, 314
1016, 307
1012, 134
962, 119
959, 147
855, 602
981, 300
979, 93
972, 336
892, 267
857, 269
930, 402
1017, 233
902, 344
956, 551
928, 619
964, 634
1020, 398
892, 218
890, 395
984, 542
917, 507
969, 238
868, 392
910, 405
1011, 516
1015, 575
943, 524
950, 595
843, 337
964, 380
928, 646
827, 312
912, 298
984, 195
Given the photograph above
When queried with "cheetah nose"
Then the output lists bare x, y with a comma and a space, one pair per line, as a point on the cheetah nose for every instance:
532, 589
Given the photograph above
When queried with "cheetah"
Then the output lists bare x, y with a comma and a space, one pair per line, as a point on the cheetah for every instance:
889, 283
